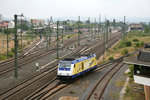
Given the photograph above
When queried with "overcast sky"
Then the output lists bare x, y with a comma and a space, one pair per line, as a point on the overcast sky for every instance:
72, 8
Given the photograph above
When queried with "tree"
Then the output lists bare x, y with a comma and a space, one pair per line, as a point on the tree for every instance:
10, 30
114, 22
64, 22
147, 29
40, 24
87, 23
24, 26
0, 29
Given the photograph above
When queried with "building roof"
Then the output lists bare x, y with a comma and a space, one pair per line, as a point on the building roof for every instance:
143, 57
135, 61
3, 24
135, 26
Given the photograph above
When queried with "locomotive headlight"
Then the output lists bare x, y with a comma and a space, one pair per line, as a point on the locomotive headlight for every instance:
59, 73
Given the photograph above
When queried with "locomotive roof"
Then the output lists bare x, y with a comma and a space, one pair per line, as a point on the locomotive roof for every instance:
78, 59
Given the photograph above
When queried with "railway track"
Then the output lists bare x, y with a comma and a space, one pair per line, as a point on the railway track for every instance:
8, 93
99, 88
6, 67
48, 91
27, 51
19, 56
25, 85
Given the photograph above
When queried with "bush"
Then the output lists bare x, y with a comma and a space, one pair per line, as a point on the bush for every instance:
125, 43
128, 43
68, 37
135, 40
137, 44
114, 48
72, 92
131, 68
13, 50
111, 58
127, 90
11, 54
28, 42
125, 51
142, 44
2, 57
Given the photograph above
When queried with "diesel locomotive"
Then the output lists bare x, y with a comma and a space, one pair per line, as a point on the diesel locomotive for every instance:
70, 68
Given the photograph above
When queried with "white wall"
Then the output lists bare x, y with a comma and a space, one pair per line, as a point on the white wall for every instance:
142, 80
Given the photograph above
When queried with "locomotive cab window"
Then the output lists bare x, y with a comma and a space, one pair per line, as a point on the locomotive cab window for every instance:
64, 65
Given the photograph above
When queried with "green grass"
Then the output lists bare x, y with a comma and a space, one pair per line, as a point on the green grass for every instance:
133, 39
68, 36
130, 42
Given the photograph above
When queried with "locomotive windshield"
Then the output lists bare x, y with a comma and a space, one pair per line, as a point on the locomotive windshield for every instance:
64, 65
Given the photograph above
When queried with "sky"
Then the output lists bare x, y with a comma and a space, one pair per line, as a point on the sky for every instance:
73, 8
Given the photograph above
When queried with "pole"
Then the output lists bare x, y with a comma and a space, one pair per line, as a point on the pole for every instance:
57, 39
104, 47
46, 34
3, 42
89, 25
104, 44
99, 23
107, 24
124, 23
7, 43
49, 32
62, 38
21, 32
79, 31
16, 46
95, 29
124, 19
